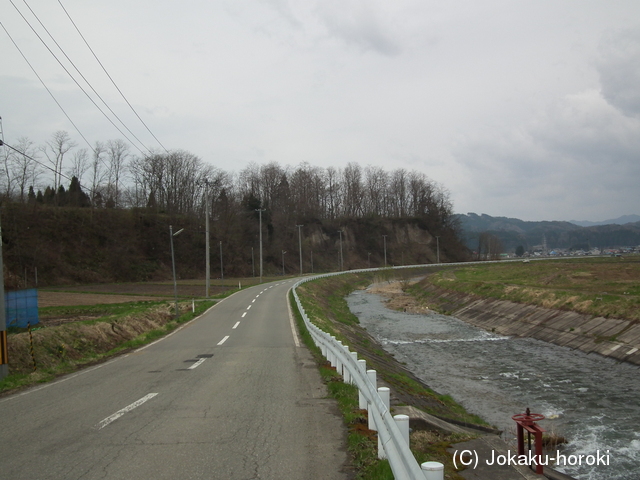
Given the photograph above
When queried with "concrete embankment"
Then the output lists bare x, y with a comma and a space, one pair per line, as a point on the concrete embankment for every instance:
610, 337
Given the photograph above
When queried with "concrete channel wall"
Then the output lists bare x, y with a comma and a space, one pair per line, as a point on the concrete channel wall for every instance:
610, 337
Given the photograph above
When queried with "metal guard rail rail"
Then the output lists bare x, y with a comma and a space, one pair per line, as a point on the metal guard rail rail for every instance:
403, 464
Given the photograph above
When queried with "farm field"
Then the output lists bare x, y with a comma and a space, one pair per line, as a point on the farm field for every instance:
604, 286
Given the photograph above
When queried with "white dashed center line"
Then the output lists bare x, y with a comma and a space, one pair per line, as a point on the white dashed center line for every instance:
126, 409
236, 325
223, 340
197, 364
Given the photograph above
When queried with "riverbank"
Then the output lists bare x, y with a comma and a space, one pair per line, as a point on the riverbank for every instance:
497, 376
610, 337
436, 434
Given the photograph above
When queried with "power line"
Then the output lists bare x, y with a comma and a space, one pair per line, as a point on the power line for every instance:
2, 143
45, 86
73, 78
80, 73
109, 76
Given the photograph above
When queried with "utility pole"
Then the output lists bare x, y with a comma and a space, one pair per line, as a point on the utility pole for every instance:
300, 244
384, 237
253, 264
4, 354
437, 249
221, 266
341, 259
208, 260
260, 210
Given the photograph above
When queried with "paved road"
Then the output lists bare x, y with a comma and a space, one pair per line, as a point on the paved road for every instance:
228, 396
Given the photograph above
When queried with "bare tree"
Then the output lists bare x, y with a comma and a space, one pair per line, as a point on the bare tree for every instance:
79, 164
24, 165
333, 187
353, 190
398, 193
98, 173
376, 185
55, 151
117, 155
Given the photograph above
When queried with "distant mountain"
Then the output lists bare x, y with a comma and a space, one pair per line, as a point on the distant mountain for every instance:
513, 232
623, 220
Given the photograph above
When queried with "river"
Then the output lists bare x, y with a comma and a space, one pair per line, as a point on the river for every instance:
591, 400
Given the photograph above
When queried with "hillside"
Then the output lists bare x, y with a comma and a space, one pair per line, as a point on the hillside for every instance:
513, 232
70, 245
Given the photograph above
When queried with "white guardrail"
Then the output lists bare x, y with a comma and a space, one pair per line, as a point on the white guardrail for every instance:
393, 432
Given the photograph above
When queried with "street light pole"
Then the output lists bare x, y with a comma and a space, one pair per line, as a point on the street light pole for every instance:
384, 237
300, 244
173, 266
260, 210
283, 252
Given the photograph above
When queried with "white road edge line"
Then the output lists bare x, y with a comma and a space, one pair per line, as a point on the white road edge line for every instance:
197, 364
236, 325
223, 340
126, 409
291, 322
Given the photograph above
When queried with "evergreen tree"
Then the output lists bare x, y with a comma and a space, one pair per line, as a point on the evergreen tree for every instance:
76, 197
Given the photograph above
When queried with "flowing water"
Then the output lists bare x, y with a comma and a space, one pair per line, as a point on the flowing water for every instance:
591, 400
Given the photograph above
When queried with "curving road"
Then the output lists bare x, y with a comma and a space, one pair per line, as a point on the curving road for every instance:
230, 395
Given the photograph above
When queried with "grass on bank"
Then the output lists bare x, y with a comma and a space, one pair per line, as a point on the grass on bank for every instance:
112, 329
606, 287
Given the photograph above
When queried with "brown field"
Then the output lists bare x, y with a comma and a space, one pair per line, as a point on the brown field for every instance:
63, 299
121, 293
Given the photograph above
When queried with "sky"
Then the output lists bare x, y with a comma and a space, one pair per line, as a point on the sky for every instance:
527, 109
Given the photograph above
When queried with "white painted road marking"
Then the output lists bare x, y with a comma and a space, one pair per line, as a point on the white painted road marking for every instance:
126, 409
197, 364
236, 325
244, 314
223, 340
248, 307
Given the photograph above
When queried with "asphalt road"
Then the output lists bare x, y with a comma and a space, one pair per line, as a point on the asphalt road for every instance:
231, 395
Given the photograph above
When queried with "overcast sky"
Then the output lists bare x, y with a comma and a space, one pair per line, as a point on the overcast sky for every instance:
527, 109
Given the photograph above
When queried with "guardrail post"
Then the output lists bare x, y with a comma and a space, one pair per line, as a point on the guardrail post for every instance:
338, 361
385, 396
371, 375
346, 375
433, 470
402, 421
362, 368
332, 357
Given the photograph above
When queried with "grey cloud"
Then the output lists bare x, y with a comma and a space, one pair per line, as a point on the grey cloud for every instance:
581, 153
618, 65
356, 23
